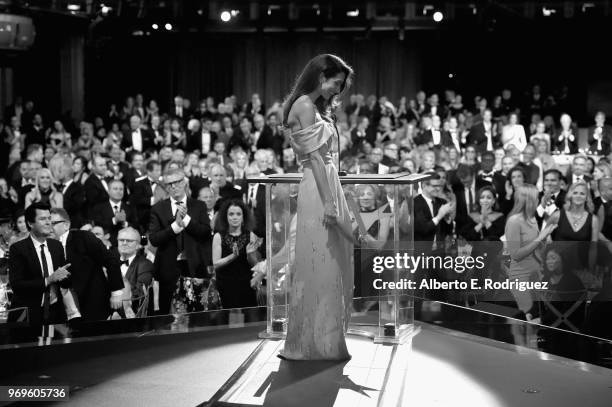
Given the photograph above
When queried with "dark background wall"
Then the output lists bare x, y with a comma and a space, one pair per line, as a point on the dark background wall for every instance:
196, 65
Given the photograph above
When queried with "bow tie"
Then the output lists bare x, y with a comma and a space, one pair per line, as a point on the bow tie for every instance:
60, 187
125, 262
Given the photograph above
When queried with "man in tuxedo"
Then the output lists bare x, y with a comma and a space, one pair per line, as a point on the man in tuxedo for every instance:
482, 135
531, 169
434, 136
208, 196
600, 135
95, 271
452, 138
256, 201
202, 140
486, 174
434, 108
262, 135
578, 171
552, 198
137, 138
114, 214
143, 196
375, 159
38, 270
35, 131
179, 110
431, 223
180, 230
227, 190
466, 193
136, 271
118, 167
135, 171
391, 151
96, 186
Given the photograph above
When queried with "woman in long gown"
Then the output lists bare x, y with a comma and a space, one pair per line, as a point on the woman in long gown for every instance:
321, 285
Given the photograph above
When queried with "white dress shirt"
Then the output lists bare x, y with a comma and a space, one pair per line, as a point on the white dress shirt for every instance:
489, 134
466, 192
173, 204
50, 267
137, 140
252, 196
205, 142
435, 136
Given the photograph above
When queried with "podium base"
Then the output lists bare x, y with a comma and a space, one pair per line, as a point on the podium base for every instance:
272, 335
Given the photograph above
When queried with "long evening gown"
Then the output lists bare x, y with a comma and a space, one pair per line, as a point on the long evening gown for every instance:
321, 284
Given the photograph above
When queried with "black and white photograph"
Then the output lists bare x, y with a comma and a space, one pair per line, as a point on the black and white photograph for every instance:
287, 203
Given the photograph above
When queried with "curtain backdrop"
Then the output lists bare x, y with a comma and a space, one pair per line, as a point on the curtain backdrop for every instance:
243, 65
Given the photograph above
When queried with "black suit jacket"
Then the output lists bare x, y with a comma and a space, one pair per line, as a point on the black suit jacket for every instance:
606, 140
424, 228
194, 141
88, 257
103, 215
139, 274
95, 193
129, 178
559, 202
34, 136
74, 203
147, 139
140, 202
478, 138
193, 239
559, 145
266, 138
427, 137
26, 276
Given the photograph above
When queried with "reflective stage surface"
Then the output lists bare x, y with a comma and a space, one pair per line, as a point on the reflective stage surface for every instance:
460, 357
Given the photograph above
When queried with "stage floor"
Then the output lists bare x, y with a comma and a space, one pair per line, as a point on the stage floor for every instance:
443, 368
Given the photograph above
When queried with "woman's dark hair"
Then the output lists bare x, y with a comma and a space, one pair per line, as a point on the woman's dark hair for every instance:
83, 161
515, 169
221, 224
491, 189
18, 213
560, 250
593, 164
307, 82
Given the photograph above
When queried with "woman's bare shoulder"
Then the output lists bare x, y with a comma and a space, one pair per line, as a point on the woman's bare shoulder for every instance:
302, 112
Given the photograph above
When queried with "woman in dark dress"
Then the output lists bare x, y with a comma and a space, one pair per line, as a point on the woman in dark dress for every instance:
234, 254
515, 178
564, 287
578, 228
377, 225
485, 224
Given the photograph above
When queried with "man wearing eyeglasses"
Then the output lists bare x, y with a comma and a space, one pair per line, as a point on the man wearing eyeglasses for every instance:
180, 229
136, 270
96, 292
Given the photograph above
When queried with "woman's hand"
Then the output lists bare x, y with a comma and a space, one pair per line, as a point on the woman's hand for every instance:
330, 214
544, 233
253, 245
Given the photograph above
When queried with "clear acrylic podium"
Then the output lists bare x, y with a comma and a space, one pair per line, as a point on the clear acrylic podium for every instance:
395, 310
